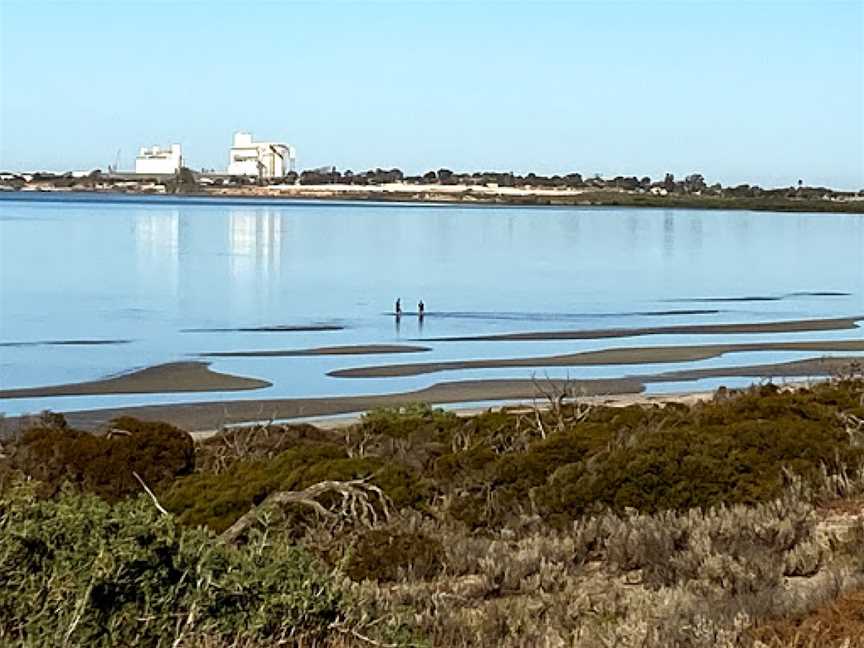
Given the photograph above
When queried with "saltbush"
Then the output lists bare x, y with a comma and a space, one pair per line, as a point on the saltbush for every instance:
78, 571
104, 465
218, 500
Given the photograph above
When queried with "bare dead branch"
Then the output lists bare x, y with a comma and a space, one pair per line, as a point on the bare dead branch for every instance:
358, 504
156, 503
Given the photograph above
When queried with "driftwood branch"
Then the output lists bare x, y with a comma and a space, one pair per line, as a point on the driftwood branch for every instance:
358, 499
159, 507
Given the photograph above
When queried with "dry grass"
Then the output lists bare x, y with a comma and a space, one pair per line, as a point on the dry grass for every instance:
689, 579
838, 624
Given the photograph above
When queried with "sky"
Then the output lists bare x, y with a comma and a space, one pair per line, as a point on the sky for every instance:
740, 91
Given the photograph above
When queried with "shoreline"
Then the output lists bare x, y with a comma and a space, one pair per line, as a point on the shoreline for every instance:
457, 196
211, 415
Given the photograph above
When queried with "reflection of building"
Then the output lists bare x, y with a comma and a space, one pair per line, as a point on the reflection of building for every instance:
255, 238
259, 159
157, 241
158, 160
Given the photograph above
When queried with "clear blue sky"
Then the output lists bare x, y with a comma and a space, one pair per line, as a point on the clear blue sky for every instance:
765, 92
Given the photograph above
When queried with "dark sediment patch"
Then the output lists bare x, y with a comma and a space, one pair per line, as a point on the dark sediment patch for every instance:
720, 300
212, 415
792, 326
312, 328
618, 356
549, 317
64, 343
165, 378
760, 298
793, 369
360, 349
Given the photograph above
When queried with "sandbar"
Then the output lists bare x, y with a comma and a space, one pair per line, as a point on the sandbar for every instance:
761, 298
64, 343
212, 415
360, 349
618, 356
163, 378
276, 328
824, 366
791, 326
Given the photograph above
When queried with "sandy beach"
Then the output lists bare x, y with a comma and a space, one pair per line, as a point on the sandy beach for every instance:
212, 415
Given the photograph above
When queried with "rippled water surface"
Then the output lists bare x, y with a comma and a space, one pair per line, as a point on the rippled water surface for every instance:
160, 272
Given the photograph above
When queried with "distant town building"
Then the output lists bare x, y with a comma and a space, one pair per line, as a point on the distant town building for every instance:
259, 159
158, 160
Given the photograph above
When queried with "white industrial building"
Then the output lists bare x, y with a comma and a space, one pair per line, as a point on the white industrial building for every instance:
158, 160
259, 159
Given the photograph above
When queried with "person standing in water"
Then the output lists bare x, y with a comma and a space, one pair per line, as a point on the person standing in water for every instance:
421, 309
398, 307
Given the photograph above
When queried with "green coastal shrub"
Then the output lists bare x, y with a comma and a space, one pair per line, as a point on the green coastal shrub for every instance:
409, 420
217, 500
659, 458
78, 571
104, 465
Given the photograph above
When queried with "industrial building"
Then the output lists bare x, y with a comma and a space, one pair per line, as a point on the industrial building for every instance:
259, 159
156, 160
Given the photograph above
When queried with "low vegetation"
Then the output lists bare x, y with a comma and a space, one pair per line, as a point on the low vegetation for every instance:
736, 521
79, 571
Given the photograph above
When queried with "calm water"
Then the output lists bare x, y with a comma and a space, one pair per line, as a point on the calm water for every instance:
147, 269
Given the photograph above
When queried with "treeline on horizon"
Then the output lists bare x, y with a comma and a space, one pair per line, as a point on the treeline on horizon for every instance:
694, 183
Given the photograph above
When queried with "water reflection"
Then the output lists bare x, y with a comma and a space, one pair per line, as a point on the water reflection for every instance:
255, 244
694, 243
668, 234
157, 247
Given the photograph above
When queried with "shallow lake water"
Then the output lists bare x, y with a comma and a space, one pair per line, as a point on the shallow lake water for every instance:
159, 272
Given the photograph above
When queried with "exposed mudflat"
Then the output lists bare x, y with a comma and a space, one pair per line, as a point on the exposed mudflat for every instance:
792, 326
64, 343
212, 415
620, 356
163, 378
275, 328
358, 349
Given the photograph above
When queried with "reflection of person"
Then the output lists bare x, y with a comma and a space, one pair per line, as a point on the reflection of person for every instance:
398, 307
421, 308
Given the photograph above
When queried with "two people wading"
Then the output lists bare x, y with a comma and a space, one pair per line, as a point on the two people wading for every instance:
421, 309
